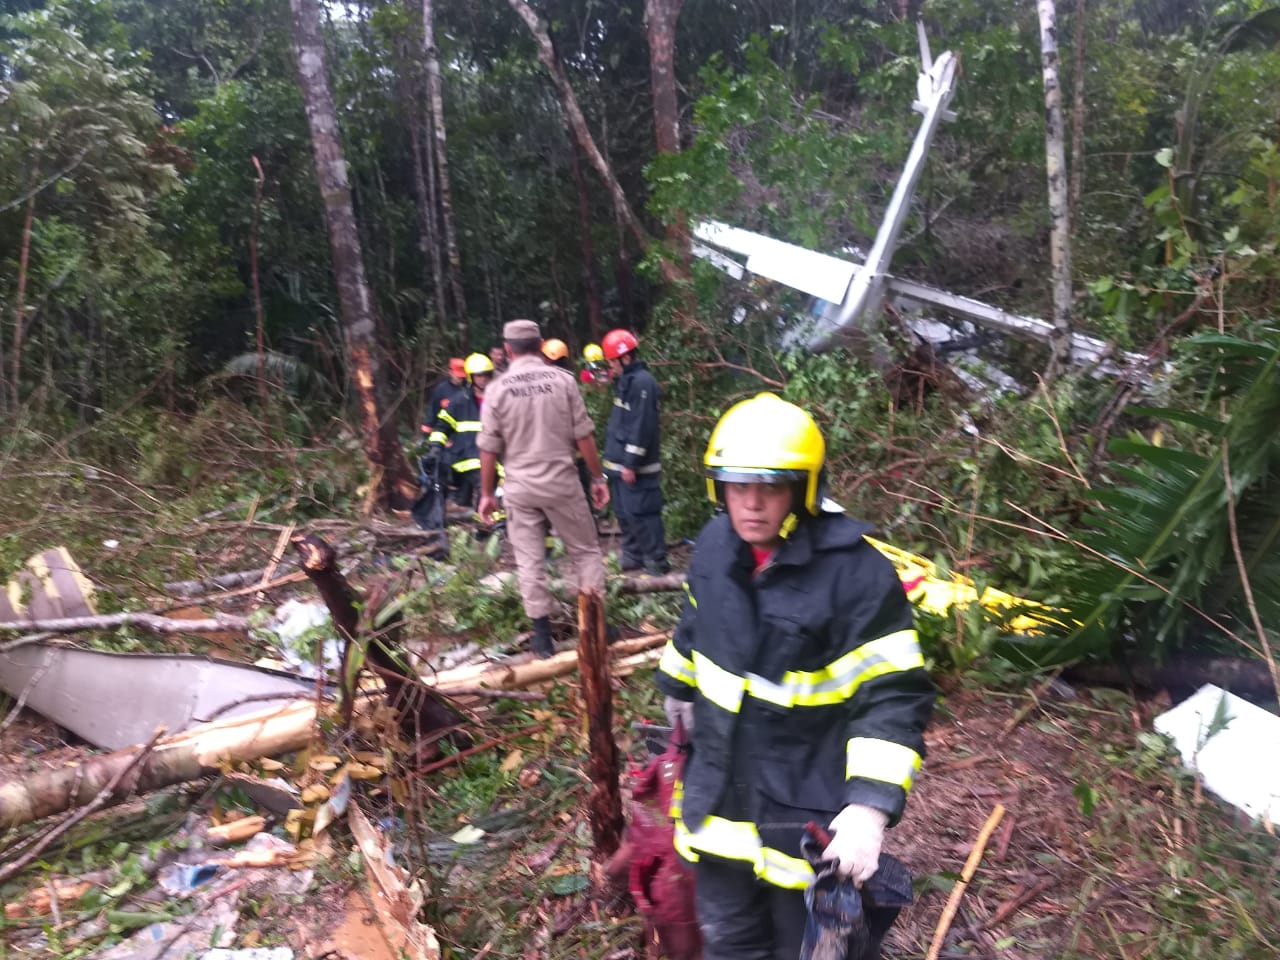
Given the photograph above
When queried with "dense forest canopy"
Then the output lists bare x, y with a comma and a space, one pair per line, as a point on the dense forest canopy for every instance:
164, 248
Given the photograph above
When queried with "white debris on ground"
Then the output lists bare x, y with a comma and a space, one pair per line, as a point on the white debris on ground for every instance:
1232, 744
297, 625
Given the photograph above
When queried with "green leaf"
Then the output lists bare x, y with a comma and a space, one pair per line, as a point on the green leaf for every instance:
570, 884
1086, 797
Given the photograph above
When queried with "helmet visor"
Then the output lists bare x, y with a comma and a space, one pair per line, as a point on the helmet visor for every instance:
767, 475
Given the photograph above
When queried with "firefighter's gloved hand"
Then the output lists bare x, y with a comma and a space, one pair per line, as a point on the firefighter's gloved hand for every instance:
679, 708
858, 832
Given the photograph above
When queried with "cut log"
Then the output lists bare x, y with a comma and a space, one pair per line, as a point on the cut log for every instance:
604, 805
514, 676
663, 584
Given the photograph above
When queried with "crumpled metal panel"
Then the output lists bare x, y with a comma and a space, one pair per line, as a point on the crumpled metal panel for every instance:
115, 700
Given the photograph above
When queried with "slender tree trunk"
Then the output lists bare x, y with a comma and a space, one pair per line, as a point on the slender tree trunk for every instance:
20, 302
425, 128
660, 28
1055, 166
623, 274
410, 82
1077, 120
396, 486
578, 122
435, 95
429, 243
590, 272
257, 289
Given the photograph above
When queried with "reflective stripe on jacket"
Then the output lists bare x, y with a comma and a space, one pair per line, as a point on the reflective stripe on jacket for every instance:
460, 420
631, 439
441, 397
809, 692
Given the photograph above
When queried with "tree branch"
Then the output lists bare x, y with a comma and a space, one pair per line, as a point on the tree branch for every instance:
47, 183
148, 621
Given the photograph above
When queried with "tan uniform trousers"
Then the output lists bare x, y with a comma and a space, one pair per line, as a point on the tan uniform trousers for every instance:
570, 519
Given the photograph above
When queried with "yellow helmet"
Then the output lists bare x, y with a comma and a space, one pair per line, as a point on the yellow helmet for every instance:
592, 353
766, 440
477, 363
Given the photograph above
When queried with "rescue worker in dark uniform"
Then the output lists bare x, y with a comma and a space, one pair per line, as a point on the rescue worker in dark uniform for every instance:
631, 455
435, 461
797, 670
443, 393
457, 425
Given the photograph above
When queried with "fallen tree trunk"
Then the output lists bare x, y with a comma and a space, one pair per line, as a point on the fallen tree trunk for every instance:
181, 757
225, 581
513, 676
663, 584
496, 583
197, 752
1248, 678
218, 623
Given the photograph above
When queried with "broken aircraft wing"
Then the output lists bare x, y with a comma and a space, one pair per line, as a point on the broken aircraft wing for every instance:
114, 700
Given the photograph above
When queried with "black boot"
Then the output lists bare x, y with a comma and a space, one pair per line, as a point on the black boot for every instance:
542, 645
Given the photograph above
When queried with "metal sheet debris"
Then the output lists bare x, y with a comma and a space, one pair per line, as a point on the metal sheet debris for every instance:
1233, 744
115, 700
50, 586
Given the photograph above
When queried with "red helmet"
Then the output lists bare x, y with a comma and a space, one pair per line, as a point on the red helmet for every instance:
618, 342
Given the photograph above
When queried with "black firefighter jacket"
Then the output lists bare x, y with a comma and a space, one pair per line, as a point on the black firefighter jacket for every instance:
631, 439
809, 692
459, 422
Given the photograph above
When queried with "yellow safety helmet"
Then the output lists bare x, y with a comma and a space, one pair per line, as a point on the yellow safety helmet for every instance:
766, 440
592, 353
477, 363
554, 349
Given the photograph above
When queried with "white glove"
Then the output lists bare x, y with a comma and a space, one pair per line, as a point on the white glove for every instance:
683, 709
859, 832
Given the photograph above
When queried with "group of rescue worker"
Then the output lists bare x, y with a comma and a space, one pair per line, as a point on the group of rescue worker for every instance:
794, 669
524, 421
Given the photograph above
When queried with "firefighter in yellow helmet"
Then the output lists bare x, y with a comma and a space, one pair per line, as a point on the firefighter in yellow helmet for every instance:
594, 369
457, 426
796, 667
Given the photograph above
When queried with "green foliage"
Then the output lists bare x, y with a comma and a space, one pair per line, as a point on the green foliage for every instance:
1159, 542
765, 159
459, 599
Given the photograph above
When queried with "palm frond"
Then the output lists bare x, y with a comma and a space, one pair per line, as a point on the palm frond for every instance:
1157, 546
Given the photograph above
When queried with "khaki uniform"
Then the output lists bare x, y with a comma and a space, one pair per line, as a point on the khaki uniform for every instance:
532, 417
